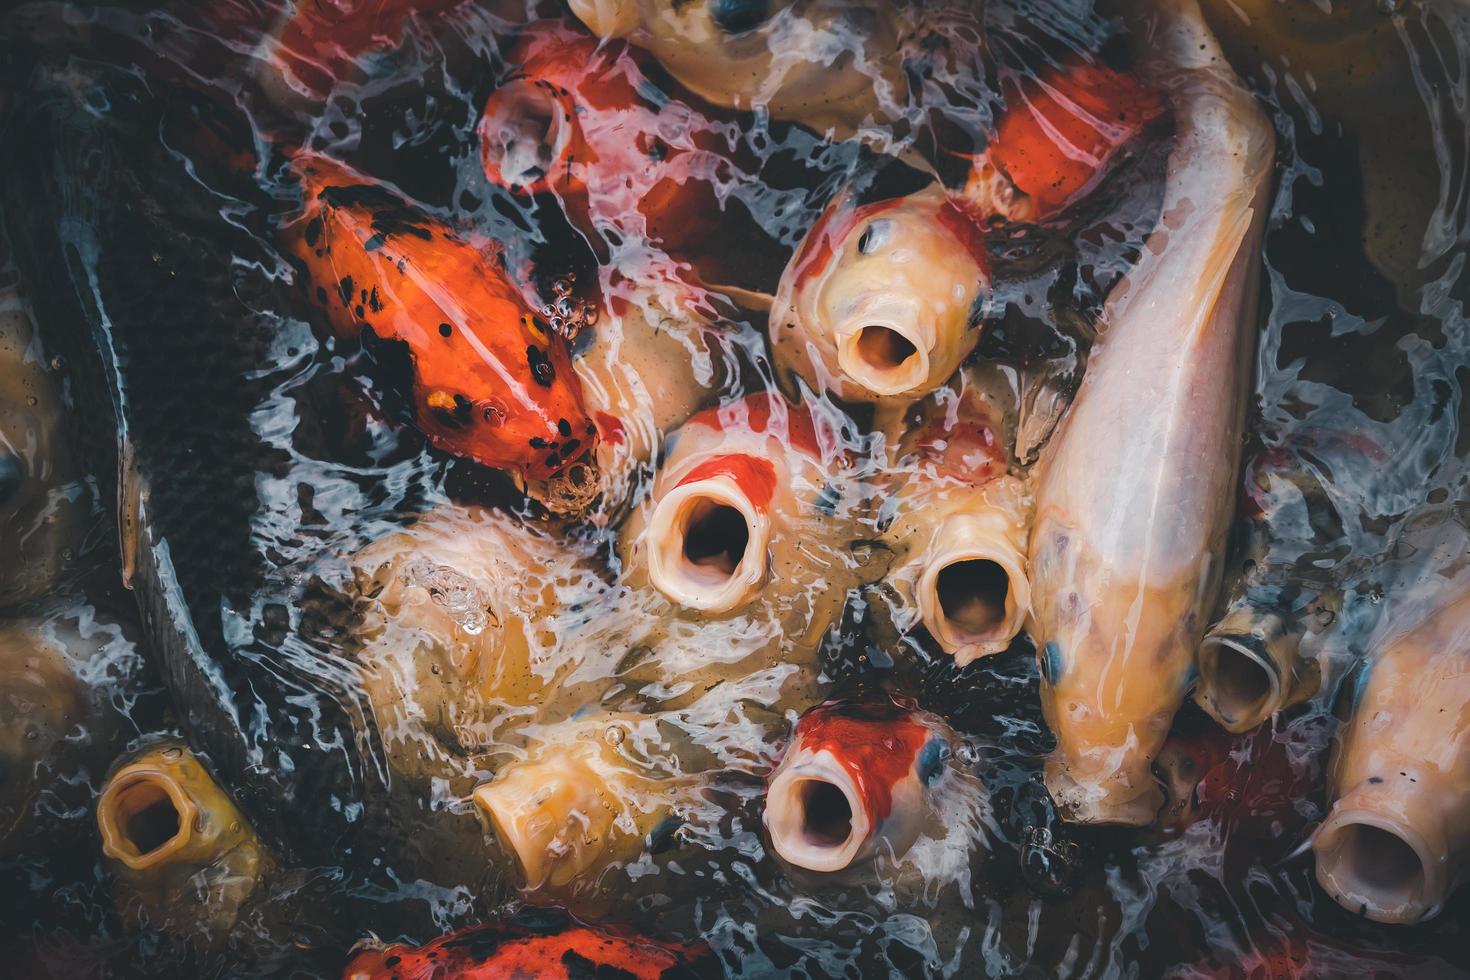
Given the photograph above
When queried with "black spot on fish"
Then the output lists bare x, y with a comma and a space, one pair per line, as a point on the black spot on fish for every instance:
539, 443
363, 296
570, 447
553, 461
313, 231
541, 367
374, 243
1375, 780
359, 312
445, 330
563, 427
344, 289
374, 303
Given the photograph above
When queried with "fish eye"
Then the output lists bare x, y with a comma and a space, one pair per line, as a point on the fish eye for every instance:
12, 475
738, 16
874, 236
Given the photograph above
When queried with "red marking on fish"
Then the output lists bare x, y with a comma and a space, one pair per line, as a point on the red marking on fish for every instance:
490, 382
756, 478
877, 742
764, 412
968, 228
497, 951
1063, 129
610, 428
637, 155
324, 40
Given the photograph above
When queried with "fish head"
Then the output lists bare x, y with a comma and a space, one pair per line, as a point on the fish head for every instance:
812, 60
883, 301
857, 774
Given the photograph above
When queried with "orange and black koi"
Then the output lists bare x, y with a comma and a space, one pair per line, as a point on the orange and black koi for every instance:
490, 382
520, 948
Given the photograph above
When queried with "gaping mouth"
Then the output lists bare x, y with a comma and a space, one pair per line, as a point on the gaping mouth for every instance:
815, 817
972, 597
826, 816
144, 817
707, 546
1238, 680
884, 360
525, 136
1376, 869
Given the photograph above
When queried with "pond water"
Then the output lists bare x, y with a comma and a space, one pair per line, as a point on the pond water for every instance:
359, 601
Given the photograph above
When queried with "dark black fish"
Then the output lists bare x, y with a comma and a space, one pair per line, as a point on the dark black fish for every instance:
175, 321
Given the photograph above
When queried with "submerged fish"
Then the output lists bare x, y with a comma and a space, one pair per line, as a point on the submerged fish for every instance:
176, 355
65, 677
1135, 491
533, 945
43, 509
828, 64
491, 383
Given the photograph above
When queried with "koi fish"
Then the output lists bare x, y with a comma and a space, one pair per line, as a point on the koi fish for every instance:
1396, 842
1124, 570
716, 530
1062, 131
883, 301
490, 382
958, 531
855, 778
170, 833
581, 119
757, 54
40, 498
534, 945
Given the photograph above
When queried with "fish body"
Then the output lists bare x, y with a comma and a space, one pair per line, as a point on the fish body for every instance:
491, 383
175, 358
1060, 134
533, 945
855, 779
1135, 491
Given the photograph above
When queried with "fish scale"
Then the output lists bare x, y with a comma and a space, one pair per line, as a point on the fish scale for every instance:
176, 374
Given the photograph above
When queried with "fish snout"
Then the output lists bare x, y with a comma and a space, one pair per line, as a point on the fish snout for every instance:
816, 813
886, 348
527, 135
708, 539
1386, 851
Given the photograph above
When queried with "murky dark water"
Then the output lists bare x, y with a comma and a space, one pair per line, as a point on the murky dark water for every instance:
352, 718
